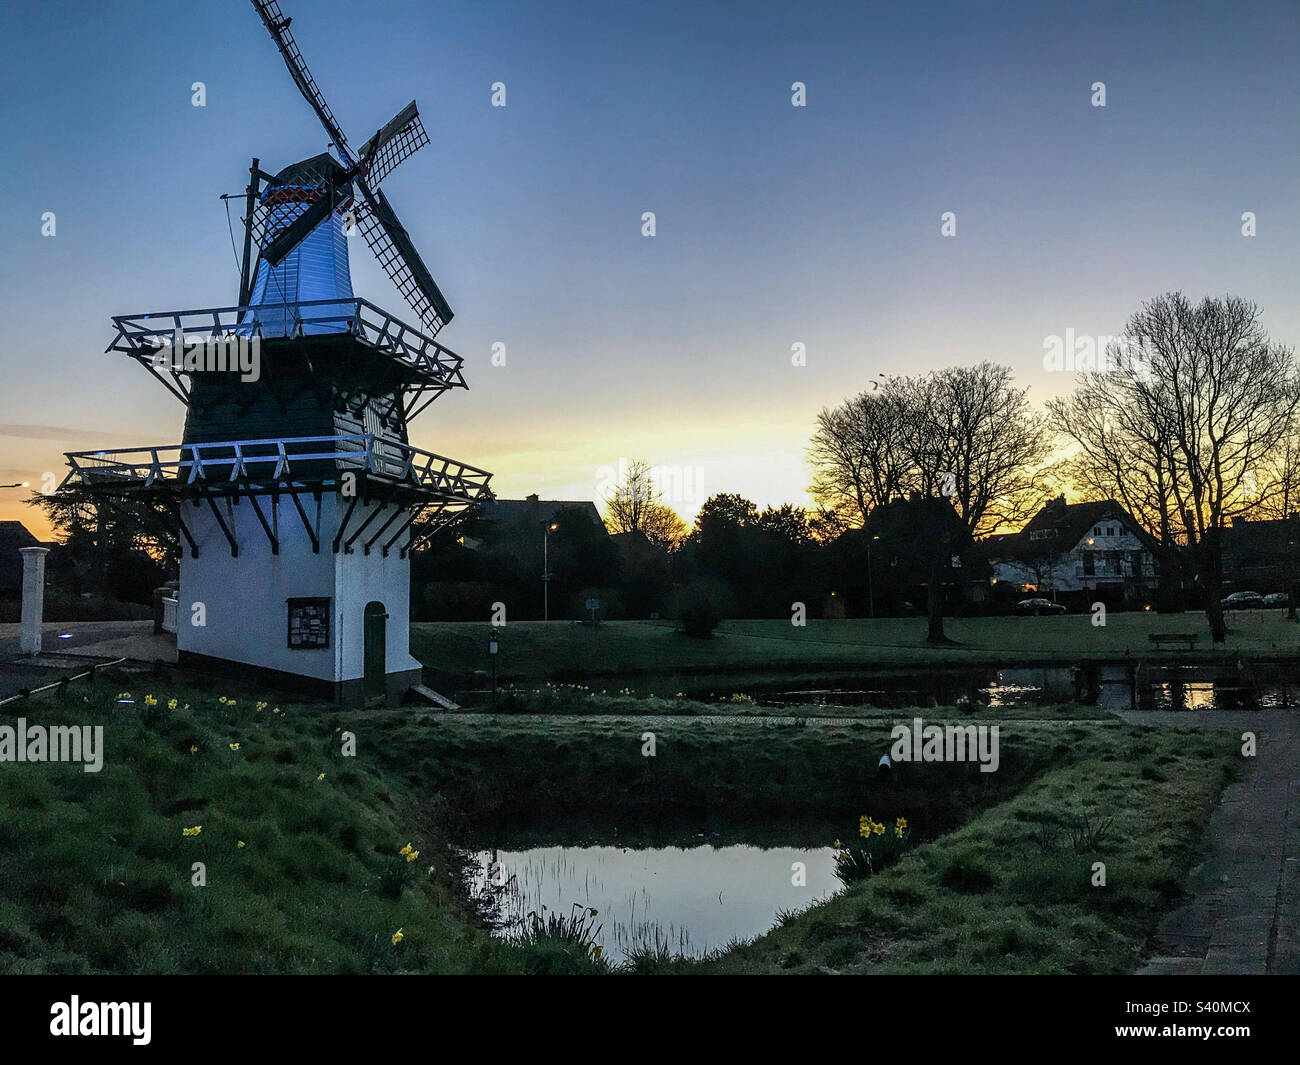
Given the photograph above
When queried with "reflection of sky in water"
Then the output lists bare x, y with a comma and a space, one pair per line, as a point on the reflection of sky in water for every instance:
1160, 687
688, 900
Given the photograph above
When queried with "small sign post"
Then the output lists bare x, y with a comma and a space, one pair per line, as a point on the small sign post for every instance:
494, 645
593, 605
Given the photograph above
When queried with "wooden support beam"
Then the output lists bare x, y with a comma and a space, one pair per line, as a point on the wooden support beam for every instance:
343, 525
230, 537
266, 527
315, 537
347, 546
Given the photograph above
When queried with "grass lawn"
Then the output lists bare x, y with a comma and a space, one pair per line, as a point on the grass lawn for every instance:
96, 871
562, 650
1011, 892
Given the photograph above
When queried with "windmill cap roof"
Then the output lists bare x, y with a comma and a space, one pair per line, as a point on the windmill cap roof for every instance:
307, 173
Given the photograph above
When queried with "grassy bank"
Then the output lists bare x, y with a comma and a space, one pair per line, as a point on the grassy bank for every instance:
96, 870
1014, 890
300, 847
566, 651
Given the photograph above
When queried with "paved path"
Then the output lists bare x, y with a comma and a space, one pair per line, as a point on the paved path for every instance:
1241, 913
86, 642
97, 639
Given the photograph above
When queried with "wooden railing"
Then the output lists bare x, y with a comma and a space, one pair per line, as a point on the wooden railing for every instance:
277, 461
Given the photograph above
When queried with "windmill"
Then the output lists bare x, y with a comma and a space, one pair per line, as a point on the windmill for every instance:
295, 496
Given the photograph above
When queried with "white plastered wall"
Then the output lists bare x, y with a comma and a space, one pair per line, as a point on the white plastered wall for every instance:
245, 598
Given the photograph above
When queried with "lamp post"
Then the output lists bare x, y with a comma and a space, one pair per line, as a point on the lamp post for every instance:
871, 594
546, 570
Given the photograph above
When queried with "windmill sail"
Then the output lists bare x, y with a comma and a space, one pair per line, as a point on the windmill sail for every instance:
397, 141
392, 246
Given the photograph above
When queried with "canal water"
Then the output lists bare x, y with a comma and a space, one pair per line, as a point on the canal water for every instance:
1118, 686
684, 900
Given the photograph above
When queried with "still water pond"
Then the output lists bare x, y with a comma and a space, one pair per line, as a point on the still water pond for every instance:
688, 900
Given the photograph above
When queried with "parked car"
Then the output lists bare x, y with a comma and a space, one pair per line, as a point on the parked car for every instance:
1242, 601
1277, 599
1039, 606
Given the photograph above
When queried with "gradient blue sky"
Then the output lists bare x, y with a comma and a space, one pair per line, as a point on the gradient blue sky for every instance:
776, 225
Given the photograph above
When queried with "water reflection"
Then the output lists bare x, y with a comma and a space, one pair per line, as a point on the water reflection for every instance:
687, 900
1117, 686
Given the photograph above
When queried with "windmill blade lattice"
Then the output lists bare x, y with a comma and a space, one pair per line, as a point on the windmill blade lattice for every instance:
392, 246
397, 142
278, 26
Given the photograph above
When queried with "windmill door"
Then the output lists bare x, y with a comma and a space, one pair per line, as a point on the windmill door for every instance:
375, 651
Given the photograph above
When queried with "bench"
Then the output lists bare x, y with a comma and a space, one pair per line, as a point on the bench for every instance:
1187, 639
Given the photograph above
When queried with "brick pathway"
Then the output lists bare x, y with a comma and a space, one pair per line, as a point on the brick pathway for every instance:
1241, 913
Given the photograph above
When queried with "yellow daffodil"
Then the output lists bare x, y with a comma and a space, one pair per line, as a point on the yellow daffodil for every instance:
397, 937
321, 777
240, 844
234, 746
149, 700
192, 831
901, 822
261, 706
406, 850
412, 856
193, 749
171, 704
222, 700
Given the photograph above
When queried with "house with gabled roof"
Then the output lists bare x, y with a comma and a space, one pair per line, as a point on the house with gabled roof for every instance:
13, 538
1095, 549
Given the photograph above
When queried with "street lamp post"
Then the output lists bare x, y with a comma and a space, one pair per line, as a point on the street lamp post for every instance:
871, 594
546, 570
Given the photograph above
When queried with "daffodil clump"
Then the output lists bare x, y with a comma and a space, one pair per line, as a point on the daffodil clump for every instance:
399, 873
573, 937
881, 845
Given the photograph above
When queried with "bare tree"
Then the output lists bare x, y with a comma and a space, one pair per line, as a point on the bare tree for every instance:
1195, 430
976, 441
857, 454
637, 506
964, 435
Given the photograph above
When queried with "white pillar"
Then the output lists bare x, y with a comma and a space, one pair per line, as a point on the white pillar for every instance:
29, 641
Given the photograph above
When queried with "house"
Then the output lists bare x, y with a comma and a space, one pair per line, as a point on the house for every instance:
13, 537
517, 526
1094, 550
1259, 556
